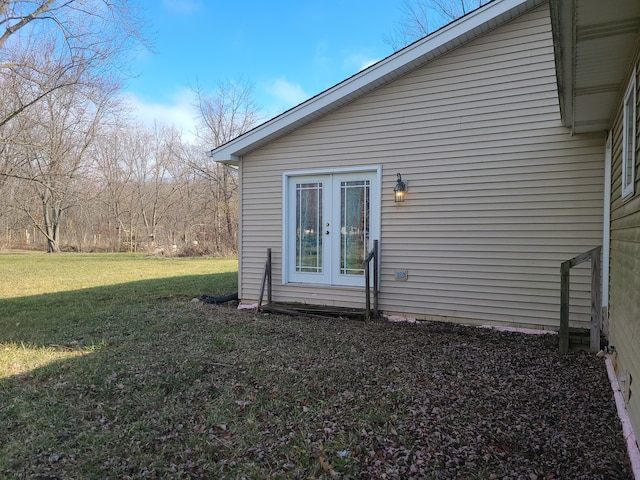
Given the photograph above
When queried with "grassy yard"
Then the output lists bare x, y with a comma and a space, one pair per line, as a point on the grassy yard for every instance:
77, 301
108, 370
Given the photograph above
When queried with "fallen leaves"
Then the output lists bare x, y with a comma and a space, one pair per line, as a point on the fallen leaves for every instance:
294, 398
326, 467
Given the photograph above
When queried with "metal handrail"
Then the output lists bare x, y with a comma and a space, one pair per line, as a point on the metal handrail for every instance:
266, 280
371, 257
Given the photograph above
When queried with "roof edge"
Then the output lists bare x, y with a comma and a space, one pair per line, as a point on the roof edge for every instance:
563, 32
411, 57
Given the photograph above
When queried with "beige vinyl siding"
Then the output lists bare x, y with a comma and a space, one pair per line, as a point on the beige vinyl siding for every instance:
499, 193
624, 293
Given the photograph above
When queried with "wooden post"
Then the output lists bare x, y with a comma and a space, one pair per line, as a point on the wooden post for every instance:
594, 255
563, 335
596, 300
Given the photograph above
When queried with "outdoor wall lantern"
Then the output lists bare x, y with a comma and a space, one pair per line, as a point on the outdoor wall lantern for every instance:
400, 190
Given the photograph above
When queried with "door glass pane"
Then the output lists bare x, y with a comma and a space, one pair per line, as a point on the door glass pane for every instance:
309, 227
354, 225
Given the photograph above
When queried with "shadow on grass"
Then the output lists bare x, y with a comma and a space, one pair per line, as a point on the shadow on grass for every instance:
100, 375
82, 318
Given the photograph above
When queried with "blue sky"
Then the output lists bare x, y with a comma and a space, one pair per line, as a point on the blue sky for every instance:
289, 51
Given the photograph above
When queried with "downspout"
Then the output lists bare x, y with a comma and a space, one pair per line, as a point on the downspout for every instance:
606, 234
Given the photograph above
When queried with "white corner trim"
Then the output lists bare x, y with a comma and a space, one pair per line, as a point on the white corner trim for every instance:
629, 155
627, 429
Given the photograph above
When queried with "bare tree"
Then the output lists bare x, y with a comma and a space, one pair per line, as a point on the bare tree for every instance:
91, 36
51, 153
135, 188
422, 17
224, 115
159, 181
60, 61
144, 184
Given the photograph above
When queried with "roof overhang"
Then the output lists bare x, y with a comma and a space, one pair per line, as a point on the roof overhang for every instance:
594, 43
437, 44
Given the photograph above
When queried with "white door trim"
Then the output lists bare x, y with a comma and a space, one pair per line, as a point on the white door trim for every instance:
375, 211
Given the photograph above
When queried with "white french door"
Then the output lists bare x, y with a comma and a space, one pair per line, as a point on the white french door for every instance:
331, 221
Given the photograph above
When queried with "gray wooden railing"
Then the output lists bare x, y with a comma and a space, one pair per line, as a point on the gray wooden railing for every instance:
371, 258
596, 299
266, 281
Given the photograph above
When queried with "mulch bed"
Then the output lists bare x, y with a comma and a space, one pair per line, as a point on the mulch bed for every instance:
467, 402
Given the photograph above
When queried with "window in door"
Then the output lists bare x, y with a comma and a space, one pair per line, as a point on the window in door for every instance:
355, 223
331, 220
309, 227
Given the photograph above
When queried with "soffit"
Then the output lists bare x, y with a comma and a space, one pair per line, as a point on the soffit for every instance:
595, 43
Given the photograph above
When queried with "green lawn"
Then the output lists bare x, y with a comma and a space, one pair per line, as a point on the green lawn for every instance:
72, 324
80, 300
108, 370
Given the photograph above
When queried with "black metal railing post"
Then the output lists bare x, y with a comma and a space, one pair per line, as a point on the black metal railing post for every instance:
372, 256
266, 280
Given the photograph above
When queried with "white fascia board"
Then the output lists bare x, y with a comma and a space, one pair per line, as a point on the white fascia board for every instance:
564, 42
409, 58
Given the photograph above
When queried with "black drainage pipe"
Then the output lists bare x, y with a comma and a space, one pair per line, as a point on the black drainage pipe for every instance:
227, 298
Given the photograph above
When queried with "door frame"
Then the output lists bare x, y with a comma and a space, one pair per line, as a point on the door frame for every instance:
375, 209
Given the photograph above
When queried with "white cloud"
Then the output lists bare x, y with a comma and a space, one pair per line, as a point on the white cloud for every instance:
179, 111
368, 63
359, 62
182, 7
287, 94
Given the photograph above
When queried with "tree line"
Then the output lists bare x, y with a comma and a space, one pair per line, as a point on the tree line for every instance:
76, 173
123, 189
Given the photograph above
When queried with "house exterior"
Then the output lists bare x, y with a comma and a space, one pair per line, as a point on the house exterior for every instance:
515, 129
598, 65
499, 191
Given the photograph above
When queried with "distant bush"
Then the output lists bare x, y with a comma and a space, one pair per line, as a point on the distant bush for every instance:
204, 249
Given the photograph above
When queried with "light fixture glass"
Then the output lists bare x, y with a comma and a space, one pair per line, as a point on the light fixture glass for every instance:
400, 190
